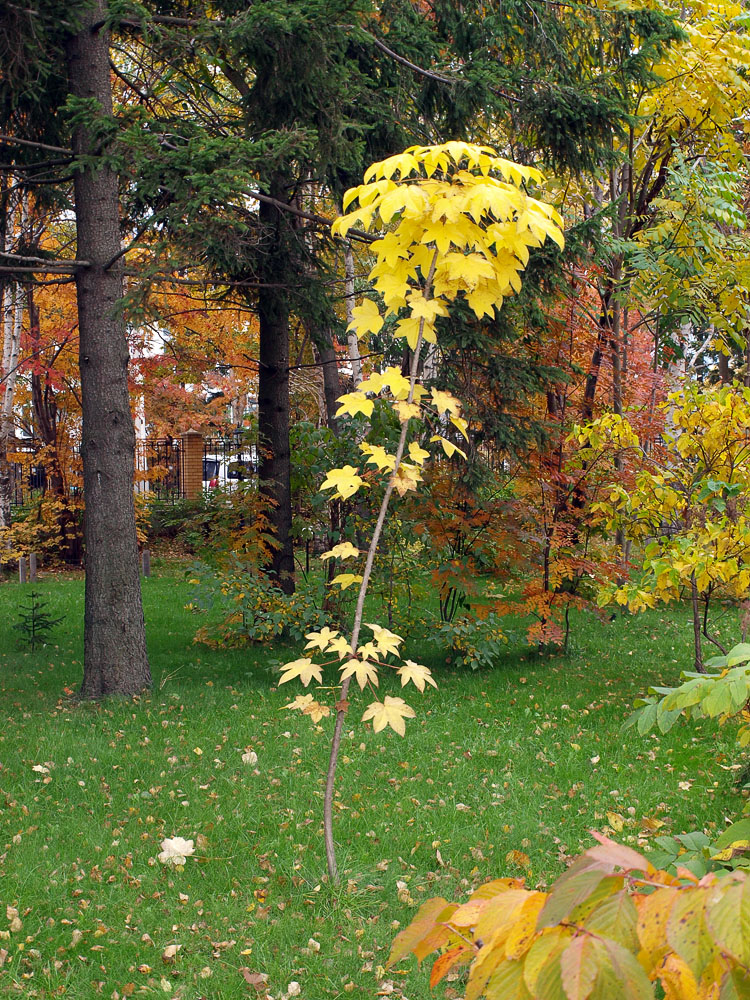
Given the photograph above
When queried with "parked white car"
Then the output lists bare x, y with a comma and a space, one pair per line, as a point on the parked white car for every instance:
227, 470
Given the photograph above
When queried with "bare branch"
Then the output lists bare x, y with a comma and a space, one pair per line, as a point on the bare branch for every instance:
12, 140
44, 260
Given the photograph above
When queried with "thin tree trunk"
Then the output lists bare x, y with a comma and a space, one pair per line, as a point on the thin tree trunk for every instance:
342, 706
616, 348
696, 625
349, 298
273, 394
115, 657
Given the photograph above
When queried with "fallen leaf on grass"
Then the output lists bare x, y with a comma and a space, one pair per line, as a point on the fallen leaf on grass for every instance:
256, 979
518, 858
616, 821
175, 850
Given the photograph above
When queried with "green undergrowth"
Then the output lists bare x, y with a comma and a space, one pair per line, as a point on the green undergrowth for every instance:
527, 757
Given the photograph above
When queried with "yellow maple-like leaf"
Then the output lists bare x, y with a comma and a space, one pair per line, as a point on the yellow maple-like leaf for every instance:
378, 456
416, 454
410, 328
354, 403
306, 704
345, 481
373, 383
300, 702
345, 580
303, 668
427, 309
389, 712
385, 640
366, 318
467, 269
407, 477
438, 234
362, 671
393, 287
362, 217
405, 410
316, 711
416, 673
368, 651
401, 163
396, 382
344, 550
341, 647
321, 640
482, 301
448, 447
444, 402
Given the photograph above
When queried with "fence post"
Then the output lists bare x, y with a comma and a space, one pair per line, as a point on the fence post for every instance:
32, 566
191, 464
22, 570
146, 562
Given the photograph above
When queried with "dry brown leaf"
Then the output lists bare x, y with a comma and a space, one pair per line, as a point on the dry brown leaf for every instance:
256, 979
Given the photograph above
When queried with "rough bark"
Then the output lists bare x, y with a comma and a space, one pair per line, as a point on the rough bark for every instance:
331, 387
115, 657
273, 396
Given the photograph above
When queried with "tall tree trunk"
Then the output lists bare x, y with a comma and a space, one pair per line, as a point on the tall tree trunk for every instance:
273, 390
115, 657
326, 356
12, 318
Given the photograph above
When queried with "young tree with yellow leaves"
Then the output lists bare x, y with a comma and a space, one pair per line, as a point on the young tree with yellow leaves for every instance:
461, 226
688, 505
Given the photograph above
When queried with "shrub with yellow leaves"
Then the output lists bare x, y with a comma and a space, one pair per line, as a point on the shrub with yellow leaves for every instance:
459, 225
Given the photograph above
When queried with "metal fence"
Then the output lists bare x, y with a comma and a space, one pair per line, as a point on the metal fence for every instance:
28, 475
228, 460
157, 468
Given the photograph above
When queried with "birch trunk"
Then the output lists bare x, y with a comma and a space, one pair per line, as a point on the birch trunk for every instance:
12, 323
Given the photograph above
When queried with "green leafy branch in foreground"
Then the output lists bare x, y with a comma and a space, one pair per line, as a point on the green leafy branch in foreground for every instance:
722, 694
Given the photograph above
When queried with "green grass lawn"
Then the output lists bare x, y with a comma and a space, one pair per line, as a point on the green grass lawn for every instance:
527, 757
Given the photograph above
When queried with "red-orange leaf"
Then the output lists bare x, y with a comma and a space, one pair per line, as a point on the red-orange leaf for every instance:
444, 964
418, 929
